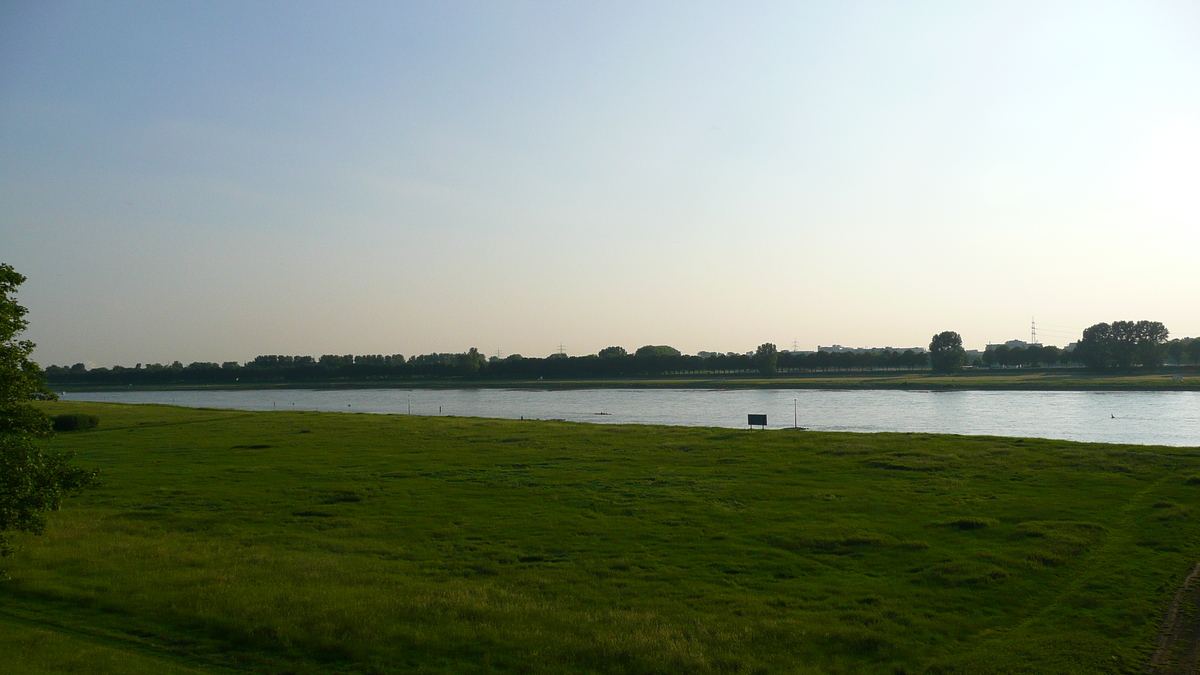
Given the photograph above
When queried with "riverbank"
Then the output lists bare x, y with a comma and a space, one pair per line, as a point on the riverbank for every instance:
232, 541
1175, 379
1141, 417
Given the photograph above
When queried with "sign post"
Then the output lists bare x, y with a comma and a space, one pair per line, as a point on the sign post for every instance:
756, 420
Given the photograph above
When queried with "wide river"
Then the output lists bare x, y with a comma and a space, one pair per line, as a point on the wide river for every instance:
1148, 418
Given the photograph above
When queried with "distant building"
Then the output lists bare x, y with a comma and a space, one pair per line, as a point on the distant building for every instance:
1013, 344
838, 349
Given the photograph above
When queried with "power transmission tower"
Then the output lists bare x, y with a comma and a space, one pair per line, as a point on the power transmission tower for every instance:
1032, 331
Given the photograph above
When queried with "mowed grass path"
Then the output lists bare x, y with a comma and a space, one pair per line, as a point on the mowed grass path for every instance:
301, 542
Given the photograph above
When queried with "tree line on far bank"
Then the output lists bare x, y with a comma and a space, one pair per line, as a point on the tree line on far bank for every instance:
612, 362
1120, 345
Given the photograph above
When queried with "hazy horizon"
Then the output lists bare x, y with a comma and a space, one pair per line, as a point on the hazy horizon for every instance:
213, 182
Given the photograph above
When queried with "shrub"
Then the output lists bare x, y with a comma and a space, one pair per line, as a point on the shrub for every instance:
75, 422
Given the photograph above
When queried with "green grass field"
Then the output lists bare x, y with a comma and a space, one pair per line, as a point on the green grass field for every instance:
226, 541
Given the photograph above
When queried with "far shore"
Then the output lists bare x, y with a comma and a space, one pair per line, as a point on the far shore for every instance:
1173, 379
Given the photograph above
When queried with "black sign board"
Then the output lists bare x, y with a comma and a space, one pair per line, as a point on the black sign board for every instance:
757, 420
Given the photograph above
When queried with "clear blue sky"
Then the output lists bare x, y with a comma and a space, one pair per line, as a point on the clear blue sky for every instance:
213, 181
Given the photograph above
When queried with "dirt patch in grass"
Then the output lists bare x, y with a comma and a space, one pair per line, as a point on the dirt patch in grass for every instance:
1178, 649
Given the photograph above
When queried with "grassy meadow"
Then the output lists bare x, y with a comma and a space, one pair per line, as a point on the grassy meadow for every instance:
302, 542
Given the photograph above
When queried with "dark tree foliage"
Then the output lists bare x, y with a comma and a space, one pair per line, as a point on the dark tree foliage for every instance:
1149, 338
20, 379
32, 480
766, 358
1032, 356
1050, 356
946, 353
1123, 344
469, 364
612, 352
272, 369
656, 351
1175, 350
1095, 348
1193, 351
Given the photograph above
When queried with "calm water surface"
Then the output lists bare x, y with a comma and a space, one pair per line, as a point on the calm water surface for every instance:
1150, 418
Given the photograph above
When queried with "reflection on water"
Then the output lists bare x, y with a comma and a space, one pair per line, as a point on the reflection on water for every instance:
1154, 418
